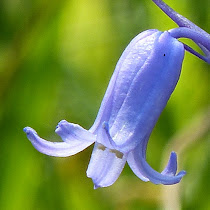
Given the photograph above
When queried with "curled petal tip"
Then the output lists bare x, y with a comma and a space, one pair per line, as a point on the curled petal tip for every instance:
25, 129
181, 173
178, 177
167, 177
171, 167
61, 124
28, 130
73, 143
68, 131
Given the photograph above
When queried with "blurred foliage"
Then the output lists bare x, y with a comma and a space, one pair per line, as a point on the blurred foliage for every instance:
56, 58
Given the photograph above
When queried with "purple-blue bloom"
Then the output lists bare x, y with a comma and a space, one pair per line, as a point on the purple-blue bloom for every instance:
142, 83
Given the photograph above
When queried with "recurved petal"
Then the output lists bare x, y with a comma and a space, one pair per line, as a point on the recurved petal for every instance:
68, 131
135, 168
58, 149
171, 167
167, 177
105, 166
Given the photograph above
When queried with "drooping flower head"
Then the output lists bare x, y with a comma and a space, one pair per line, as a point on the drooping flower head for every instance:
142, 83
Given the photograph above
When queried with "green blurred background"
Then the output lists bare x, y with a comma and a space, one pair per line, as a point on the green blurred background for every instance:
56, 59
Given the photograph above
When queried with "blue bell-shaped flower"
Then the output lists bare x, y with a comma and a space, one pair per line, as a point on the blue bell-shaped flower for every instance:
141, 85
144, 78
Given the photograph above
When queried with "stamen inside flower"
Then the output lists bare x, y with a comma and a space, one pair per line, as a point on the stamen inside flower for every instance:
101, 147
117, 153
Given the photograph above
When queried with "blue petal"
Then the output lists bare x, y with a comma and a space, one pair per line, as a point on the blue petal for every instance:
171, 167
105, 166
135, 168
68, 131
103, 136
167, 177
73, 144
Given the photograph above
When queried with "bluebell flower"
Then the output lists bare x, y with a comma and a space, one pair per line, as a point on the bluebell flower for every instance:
141, 85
